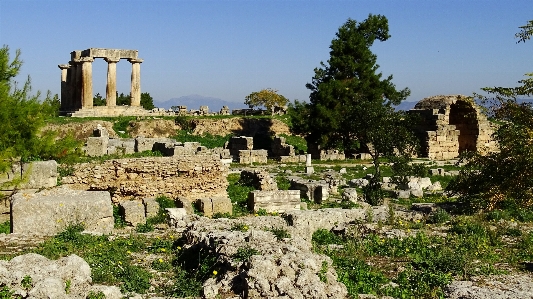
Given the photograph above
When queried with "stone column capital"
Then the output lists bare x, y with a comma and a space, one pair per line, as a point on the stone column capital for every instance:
86, 59
112, 59
135, 60
63, 66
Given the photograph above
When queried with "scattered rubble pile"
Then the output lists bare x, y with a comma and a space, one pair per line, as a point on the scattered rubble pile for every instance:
49, 279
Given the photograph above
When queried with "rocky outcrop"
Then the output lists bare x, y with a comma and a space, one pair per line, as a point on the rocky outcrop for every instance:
274, 268
49, 278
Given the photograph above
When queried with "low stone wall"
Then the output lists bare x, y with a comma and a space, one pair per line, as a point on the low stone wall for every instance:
51, 211
236, 144
253, 156
259, 179
274, 201
194, 176
292, 159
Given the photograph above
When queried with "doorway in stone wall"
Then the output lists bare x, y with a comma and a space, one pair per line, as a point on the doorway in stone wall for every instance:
464, 117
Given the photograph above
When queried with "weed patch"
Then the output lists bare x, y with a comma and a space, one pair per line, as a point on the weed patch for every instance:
5, 228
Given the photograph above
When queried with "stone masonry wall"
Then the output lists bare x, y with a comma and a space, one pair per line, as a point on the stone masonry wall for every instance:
194, 176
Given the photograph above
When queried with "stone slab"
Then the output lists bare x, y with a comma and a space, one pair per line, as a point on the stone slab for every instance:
50, 211
133, 212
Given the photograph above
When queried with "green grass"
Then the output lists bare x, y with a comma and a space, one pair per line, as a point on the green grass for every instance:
5, 228
110, 261
368, 263
297, 142
238, 193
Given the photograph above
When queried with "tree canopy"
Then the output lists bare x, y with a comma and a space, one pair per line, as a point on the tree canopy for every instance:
505, 177
22, 116
147, 102
351, 104
269, 98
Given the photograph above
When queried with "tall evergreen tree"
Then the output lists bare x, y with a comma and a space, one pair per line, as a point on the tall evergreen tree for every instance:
351, 105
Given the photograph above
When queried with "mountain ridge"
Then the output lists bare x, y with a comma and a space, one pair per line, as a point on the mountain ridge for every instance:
194, 101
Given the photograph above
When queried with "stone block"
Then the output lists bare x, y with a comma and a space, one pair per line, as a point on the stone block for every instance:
417, 193
274, 200
211, 206
402, 193
151, 207
39, 174
350, 194
316, 191
50, 211
185, 203
133, 212
96, 146
175, 215
5, 208
221, 205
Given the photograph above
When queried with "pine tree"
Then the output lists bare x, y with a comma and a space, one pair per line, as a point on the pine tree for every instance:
351, 105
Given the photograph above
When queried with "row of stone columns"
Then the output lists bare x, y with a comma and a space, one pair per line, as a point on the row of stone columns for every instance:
77, 83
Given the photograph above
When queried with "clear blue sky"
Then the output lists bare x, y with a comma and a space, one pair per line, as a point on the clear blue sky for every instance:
228, 49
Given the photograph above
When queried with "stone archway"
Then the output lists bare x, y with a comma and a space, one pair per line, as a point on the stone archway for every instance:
464, 117
450, 125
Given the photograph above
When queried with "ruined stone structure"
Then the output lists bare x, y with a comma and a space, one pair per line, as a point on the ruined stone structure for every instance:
451, 125
77, 83
324, 154
193, 177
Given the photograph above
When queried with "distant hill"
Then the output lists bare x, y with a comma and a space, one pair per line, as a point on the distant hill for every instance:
194, 101
405, 106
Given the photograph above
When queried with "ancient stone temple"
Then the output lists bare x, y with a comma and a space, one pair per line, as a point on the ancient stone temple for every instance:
452, 124
77, 83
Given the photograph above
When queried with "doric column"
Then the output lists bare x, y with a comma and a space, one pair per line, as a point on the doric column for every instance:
64, 86
75, 85
111, 88
87, 82
135, 93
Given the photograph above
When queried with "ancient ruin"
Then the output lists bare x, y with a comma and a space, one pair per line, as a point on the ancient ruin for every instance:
77, 83
450, 125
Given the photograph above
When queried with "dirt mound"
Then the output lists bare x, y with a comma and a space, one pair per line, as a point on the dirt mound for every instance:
239, 126
153, 128
80, 130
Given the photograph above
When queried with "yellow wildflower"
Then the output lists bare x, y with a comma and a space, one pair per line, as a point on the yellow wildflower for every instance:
215, 272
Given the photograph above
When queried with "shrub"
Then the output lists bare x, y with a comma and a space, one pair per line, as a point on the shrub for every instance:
325, 237
243, 254
280, 233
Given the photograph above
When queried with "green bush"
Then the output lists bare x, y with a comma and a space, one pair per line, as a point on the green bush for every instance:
193, 266
325, 237
299, 143
244, 254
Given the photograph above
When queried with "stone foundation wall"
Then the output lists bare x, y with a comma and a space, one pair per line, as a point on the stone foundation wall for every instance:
194, 176
253, 156
237, 144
